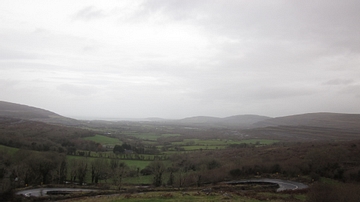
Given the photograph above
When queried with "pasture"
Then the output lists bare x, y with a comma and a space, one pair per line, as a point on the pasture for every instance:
141, 164
134, 165
10, 150
104, 140
149, 136
212, 144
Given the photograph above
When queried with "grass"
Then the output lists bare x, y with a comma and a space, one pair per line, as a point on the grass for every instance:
132, 164
149, 136
141, 164
329, 181
10, 150
137, 164
220, 142
148, 142
195, 147
212, 144
141, 179
282, 196
104, 140
259, 141
170, 135
144, 136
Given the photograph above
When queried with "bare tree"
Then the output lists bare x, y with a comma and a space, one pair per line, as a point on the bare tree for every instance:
72, 168
157, 169
100, 170
62, 172
81, 169
119, 170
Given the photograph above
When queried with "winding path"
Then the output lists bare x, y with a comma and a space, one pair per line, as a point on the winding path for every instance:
283, 184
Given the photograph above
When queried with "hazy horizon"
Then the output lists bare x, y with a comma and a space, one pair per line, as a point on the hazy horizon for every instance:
174, 59
107, 118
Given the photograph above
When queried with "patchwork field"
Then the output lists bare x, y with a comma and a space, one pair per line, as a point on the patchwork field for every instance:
130, 163
132, 166
213, 144
149, 136
221, 142
104, 140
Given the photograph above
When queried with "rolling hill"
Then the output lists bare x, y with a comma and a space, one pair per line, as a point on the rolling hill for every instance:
18, 111
238, 121
310, 127
322, 120
301, 124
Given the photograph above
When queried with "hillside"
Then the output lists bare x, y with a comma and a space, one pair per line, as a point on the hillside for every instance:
18, 111
40, 136
199, 120
310, 127
245, 119
322, 120
238, 121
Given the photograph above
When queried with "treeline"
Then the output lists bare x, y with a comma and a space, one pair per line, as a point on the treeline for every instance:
183, 171
335, 160
136, 148
29, 167
40, 136
304, 161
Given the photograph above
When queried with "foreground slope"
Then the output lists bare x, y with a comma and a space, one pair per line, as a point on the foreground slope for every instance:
18, 111
310, 127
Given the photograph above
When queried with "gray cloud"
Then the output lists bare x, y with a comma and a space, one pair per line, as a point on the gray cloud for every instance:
353, 90
178, 58
89, 13
339, 82
77, 90
8, 54
8, 85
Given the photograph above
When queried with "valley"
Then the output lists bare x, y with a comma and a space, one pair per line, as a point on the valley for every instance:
169, 160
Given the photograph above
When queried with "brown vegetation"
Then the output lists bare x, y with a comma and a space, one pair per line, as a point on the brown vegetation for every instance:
322, 192
40, 136
306, 153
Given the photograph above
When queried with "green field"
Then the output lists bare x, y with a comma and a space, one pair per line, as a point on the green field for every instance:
170, 135
259, 141
111, 155
104, 140
149, 136
223, 142
141, 179
131, 163
188, 145
10, 150
203, 147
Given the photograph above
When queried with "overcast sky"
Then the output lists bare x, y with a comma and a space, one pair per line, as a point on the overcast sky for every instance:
176, 59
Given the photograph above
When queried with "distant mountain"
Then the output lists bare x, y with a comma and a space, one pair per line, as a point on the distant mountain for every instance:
323, 120
309, 127
156, 119
12, 110
243, 121
199, 120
